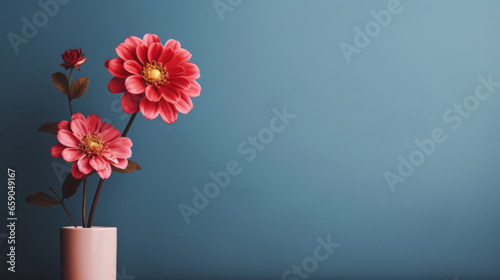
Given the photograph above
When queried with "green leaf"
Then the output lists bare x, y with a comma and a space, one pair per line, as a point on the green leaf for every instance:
42, 199
50, 127
70, 186
131, 167
78, 87
61, 82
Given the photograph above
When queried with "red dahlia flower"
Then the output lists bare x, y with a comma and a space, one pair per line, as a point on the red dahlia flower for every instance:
73, 59
92, 145
156, 78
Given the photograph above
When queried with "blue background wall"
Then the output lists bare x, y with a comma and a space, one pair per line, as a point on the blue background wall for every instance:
323, 175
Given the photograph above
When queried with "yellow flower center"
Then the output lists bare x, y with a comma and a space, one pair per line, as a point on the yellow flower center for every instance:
155, 74
93, 145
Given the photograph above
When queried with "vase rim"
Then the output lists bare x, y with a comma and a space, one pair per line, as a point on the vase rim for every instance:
92, 228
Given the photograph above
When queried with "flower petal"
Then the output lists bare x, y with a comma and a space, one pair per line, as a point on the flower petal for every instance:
115, 67
153, 93
117, 85
177, 70
194, 90
109, 133
149, 39
142, 53
180, 56
94, 124
180, 82
171, 94
174, 44
67, 138
135, 84
106, 172
57, 149
110, 157
120, 147
84, 165
121, 163
132, 67
184, 105
64, 125
191, 70
133, 41
166, 55
130, 102
121, 141
75, 171
72, 154
126, 51
155, 51
79, 127
149, 109
77, 116
80, 62
167, 112
98, 163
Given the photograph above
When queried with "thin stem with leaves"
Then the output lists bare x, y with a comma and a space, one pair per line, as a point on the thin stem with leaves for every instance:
64, 206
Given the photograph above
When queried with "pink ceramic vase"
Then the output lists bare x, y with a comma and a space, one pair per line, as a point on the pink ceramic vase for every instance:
88, 253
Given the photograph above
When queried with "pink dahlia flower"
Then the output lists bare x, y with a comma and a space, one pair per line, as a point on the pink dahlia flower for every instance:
91, 145
73, 59
157, 79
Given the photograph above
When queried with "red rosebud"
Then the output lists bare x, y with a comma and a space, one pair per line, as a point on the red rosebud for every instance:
73, 59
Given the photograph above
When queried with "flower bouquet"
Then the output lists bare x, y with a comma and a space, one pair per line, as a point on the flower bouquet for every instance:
155, 79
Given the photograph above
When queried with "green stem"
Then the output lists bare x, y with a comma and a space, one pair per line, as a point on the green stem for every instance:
99, 187
69, 97
84, 202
